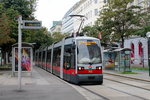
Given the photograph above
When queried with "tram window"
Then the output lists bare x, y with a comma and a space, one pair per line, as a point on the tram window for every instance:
56, 56
69, 57
35, 58
43, 56
49, 56
40, 56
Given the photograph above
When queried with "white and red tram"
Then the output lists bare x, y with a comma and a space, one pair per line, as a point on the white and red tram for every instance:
75, 59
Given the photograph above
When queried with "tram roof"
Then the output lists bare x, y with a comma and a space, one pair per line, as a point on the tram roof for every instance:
86, 37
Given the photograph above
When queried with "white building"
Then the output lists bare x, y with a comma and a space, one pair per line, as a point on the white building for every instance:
57, 26
67, 22
139, 50
88, 8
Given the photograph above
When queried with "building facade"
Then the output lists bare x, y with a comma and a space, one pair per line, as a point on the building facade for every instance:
57, 26
89, 8
139, 51
67, 22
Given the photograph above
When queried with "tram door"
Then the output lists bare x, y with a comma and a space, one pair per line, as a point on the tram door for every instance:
67, 63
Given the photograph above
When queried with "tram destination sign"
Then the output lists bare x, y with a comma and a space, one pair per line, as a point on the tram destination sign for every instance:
28, 24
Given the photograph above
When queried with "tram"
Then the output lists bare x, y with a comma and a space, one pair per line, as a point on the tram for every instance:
74, 59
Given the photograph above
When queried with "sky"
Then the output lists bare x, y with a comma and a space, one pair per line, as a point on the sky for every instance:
48, 11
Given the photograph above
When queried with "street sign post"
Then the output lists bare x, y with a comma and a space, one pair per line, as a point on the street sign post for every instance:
24, 24
19, 51
28, 24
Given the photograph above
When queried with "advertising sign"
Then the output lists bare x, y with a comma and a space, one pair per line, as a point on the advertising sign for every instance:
109, 58
25, 61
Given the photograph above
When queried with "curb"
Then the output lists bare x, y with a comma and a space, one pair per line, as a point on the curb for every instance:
126, 76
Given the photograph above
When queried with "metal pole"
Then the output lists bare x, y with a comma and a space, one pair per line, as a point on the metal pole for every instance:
149, 54
19, 51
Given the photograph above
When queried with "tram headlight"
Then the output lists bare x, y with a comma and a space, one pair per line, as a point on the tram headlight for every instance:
80, 68
99, 68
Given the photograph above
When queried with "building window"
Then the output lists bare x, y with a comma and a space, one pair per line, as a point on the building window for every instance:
132, 53
140, 53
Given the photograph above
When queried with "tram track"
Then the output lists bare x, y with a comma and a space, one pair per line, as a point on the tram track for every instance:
122, 91
106, 97
130, 84
99, 95
92, 92
129, 94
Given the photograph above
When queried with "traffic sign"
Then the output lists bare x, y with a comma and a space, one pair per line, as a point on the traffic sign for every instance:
29, 24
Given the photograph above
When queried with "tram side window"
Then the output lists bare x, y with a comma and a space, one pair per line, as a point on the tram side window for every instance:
39, 57
43, 56
69, 57
73, 59
49, 56
56, 56
35, 57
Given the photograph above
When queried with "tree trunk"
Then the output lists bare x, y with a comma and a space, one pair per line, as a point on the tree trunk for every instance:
6, 57
122, 42
1, 58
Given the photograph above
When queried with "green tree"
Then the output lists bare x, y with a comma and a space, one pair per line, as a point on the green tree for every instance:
118, 20
145, 20
24, 7
90, 31
5, 29
9, 10
40, 37
57, 36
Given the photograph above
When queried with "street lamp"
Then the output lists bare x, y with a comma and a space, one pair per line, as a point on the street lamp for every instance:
148, 35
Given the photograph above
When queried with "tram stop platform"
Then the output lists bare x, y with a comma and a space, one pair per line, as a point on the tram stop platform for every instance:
41, 85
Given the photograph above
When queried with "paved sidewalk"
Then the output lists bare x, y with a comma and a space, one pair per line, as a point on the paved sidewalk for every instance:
141, 75
41, 86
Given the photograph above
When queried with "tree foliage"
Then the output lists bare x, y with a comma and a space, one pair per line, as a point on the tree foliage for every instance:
118, 20
5, 29
24, 7
9, 11
90, 31
57, 36
39, 37
145, 20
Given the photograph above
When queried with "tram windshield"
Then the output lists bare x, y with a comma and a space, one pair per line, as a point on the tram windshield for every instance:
88, 52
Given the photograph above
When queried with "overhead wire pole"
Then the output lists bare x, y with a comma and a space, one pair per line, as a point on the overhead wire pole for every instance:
19, 51
82, 20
